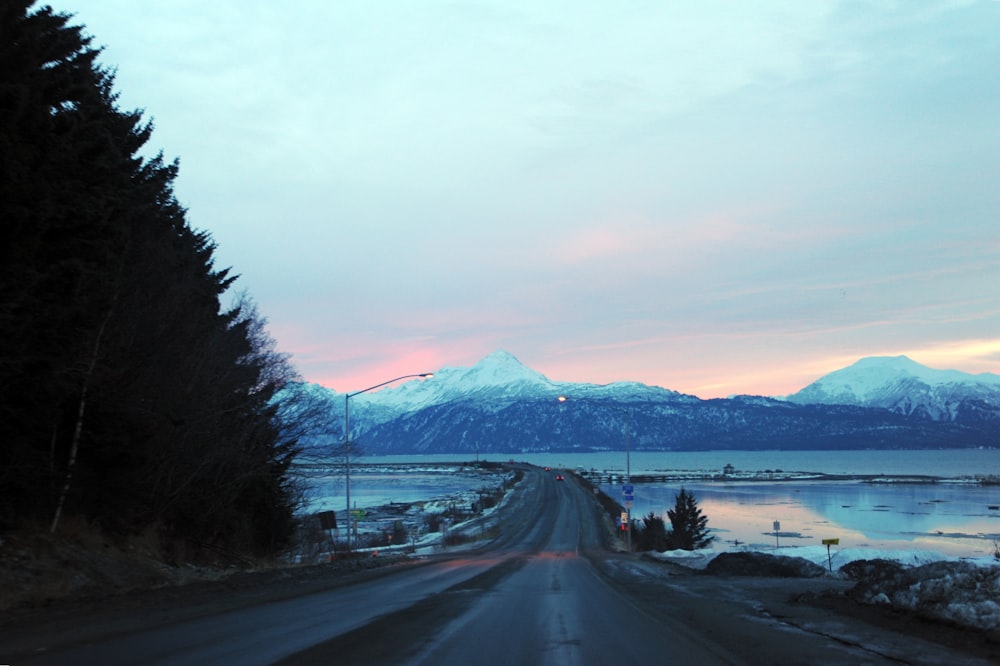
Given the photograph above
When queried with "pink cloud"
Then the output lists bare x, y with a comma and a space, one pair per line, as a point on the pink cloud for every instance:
594, 243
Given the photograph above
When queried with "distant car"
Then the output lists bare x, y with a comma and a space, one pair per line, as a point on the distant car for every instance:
548, 469
560, 477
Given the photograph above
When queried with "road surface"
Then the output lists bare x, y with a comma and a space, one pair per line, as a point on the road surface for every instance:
544, 593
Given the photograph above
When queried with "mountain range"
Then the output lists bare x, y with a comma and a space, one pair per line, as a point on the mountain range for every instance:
501, 406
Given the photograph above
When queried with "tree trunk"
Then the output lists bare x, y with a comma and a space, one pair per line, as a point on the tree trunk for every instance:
78, 427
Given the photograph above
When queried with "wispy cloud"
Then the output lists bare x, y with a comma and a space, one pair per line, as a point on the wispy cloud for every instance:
717, 198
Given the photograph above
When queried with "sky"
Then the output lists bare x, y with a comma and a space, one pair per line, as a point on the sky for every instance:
715, 197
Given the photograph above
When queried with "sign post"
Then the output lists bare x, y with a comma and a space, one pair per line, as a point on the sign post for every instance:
627, 494
829, 559
328, 522
356, 515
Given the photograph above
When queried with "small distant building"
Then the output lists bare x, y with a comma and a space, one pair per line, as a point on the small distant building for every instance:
728, 469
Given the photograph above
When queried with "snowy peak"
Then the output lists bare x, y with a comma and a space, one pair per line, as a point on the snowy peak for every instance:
499, 374
863, 381
901, 385
875, 371
498, 369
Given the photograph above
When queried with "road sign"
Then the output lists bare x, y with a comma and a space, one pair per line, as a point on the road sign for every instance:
628, 504
829, 557
327, 520
627, 489
624, 517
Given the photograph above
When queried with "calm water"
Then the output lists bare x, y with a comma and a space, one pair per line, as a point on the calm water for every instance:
951, 463
950, 518
966, 462
368, 489
955, 519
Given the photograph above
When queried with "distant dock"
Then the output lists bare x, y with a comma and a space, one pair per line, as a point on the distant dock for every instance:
717, 476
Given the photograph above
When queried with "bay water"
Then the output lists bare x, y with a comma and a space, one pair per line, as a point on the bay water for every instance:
956, 515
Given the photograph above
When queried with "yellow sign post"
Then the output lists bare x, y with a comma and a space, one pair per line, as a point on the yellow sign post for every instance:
828, 543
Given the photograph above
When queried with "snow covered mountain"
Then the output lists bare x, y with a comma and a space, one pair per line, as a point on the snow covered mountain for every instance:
906, 387
501, 406
498, 377
494, 382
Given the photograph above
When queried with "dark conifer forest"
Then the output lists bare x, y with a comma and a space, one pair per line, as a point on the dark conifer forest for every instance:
131, 395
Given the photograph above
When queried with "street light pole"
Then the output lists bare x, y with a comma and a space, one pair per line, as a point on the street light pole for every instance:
628, 474
347, 437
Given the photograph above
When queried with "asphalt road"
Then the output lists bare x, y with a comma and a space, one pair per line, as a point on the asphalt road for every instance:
544, 593
541, 601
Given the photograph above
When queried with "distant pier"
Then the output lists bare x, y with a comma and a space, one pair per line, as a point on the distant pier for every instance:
679, 476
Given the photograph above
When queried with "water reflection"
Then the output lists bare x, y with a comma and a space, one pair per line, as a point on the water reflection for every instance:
370, 489
955, 519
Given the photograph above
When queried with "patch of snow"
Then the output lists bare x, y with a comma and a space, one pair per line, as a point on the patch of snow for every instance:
960, 590
699, 559
693, 559
840, 557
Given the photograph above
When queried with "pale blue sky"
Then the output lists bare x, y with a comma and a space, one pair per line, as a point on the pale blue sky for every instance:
713, 197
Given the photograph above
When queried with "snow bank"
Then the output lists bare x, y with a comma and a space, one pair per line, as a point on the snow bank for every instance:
840, 557
693, 559
960, 590
699, 559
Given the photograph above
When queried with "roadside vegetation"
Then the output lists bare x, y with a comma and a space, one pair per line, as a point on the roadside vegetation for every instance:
137, 393
688, 527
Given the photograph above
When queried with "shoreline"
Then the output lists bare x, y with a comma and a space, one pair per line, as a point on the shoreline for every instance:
667, 476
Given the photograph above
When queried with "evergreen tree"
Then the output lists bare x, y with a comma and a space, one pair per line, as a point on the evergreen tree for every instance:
653, 535
61, 181
689, 526
128, 394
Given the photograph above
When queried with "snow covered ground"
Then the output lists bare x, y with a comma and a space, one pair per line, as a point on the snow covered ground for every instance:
699, 559
433, 506
960, 590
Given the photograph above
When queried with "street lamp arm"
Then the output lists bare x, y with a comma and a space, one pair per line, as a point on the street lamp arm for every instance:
425, 375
